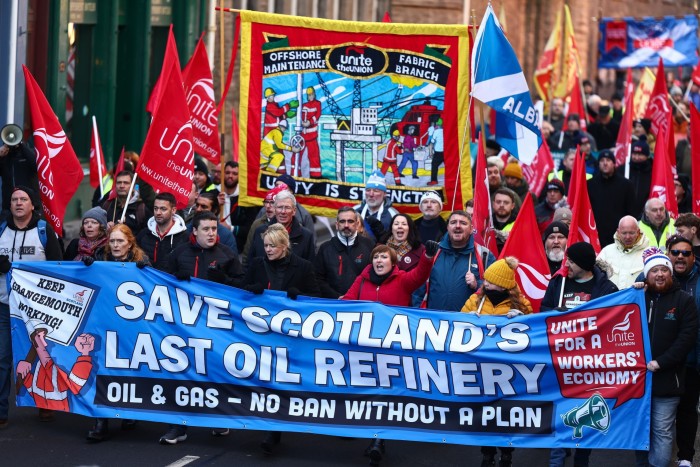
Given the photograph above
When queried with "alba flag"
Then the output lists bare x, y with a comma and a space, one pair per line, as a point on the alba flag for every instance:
199, 87
97, 160
167, 158
58, 168
532, 274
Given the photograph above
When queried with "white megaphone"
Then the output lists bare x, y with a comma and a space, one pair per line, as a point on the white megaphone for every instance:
11, 134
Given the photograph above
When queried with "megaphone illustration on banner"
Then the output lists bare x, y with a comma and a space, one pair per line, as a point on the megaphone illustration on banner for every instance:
594, 413
11, 135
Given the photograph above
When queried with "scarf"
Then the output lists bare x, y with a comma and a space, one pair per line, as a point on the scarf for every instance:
376, 279
88, 247
347, 241
401, 248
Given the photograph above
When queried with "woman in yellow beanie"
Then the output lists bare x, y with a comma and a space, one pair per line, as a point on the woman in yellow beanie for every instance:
500, 294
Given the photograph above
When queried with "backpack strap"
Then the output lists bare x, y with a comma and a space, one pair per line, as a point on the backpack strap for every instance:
41, 228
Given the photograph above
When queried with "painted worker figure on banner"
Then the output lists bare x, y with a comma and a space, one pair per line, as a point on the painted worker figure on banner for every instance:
272, 147
393, 150
49, 384
310, 116
275, 113
409, 146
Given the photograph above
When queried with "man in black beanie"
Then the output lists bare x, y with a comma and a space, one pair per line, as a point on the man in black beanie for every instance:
555, 237
584, 282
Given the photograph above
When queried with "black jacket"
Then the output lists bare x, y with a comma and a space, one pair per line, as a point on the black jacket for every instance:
602, 286
137, 214
673, 326
159, 249
337, 266
611, 199
300, 239
640, 178
433, 229
283, 274
196, 261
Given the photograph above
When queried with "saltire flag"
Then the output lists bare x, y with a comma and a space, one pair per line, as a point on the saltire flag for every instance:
695, 156
117, 169
644, 88
548, 68
499, 82
97, 159
167, 157
58, 168
658, 107
157, 93
482, 220
199, 88
537, 171
576, 105
532, 274
662, 184
624, 135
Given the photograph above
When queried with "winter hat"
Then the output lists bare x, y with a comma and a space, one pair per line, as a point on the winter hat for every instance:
200, 166
33, 195
270, 196
513, 170
561, 215
376, 181
555, 184
497, 161
97, 213
492, 144
684, 181
655, 257
556, 227
640, 147
676, 91
430, 195
582, 138
289, 181
582, 254
606, 154
645, 122
502, 272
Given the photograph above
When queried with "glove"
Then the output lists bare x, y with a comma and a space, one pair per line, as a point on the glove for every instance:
293, 104
182, 276
376, 226
5, 264
257, 289
431, 248
88, 260
561, 308
217, 275
293, 293
513, 313
291, 113
141, 264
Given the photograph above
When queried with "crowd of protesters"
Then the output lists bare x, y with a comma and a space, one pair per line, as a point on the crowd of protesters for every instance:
377, 253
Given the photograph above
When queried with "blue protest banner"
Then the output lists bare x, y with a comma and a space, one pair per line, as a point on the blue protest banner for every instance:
637, 43
112, 340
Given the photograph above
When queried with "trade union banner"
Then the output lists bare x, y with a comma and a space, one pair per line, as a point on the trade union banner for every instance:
638, 43
116, 341
331, 102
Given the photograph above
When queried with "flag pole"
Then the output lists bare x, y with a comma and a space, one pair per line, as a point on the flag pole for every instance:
222, 79
561, 292
98, 154
128, 197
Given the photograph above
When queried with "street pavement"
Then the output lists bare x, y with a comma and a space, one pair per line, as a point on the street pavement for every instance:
29, 442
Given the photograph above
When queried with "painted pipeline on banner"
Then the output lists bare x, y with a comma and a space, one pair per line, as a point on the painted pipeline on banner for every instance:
150, 347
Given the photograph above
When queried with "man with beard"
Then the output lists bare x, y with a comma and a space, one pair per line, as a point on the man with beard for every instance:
376, 204
611, 197
137, 213
640, 173
673, 329
455, 274
687, 273
656, 223
234, 217
585, 281
494, 167
555, 237
624, 255
164, 231
504, 213
341, 259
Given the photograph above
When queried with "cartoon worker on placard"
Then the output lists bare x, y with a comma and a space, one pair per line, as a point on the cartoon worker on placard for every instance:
49, 384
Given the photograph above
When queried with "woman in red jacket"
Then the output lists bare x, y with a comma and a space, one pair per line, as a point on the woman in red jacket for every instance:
383, 282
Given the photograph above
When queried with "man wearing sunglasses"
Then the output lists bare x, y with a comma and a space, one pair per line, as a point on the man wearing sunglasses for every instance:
687, 273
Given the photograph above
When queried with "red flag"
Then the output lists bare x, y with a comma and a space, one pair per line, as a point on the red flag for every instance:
167, 158
624, 136
482, 221
119, 168
662, 185
658, 107
695, 156
58, 168
583, 227
97, 159
576, 105
386, 18
533, 271
536, 172
157, 93
199, 87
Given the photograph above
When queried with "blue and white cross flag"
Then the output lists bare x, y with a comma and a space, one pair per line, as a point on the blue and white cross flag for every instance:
498, 81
